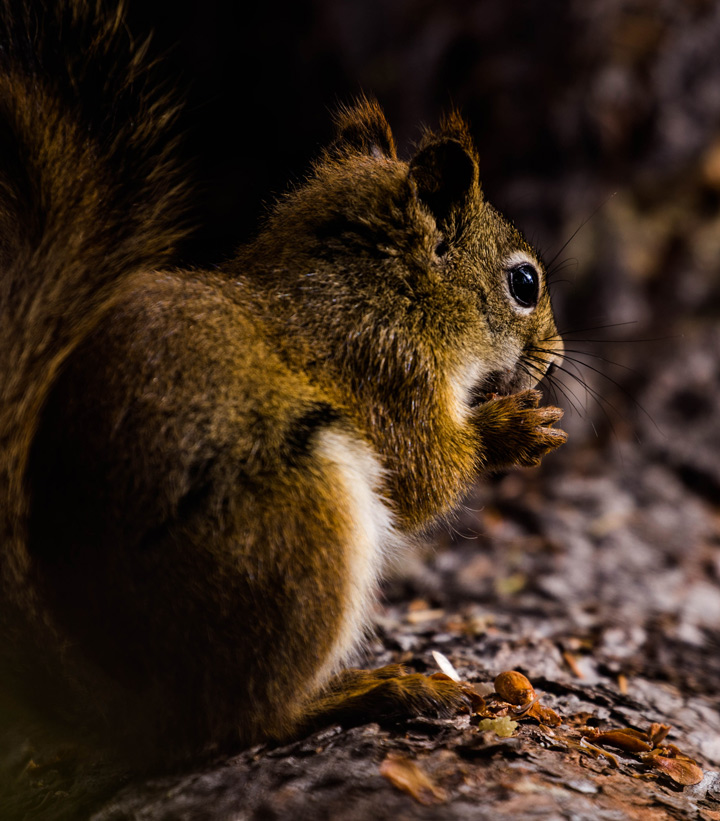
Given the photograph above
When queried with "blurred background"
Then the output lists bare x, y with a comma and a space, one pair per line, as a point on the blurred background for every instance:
598, 125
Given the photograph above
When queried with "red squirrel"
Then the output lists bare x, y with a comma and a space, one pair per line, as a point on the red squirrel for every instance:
206, 472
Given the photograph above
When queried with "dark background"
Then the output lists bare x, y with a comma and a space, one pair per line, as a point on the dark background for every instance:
601, 92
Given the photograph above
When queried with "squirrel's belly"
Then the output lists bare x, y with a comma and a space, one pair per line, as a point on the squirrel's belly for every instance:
373, 539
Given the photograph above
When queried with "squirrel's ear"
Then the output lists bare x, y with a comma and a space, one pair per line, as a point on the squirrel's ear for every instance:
363, 129
445, 169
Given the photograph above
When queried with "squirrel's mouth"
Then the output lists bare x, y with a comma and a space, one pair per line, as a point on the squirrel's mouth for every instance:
502, 382
496, 383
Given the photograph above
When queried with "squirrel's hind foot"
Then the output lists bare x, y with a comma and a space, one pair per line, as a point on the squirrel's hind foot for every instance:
358, 696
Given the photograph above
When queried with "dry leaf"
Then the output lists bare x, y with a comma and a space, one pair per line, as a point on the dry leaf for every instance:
668, 759
478, 703
406, 775
657, 733
598, 751
682, 770
544, 715
628, 740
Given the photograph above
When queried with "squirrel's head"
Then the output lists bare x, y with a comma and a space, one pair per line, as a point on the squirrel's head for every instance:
412, 250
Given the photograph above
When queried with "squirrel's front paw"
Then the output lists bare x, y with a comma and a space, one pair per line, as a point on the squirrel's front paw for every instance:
515, 430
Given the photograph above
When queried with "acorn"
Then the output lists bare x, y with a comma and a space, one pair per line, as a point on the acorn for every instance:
514, 688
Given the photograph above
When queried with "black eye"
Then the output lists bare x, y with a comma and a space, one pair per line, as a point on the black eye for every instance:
524, 285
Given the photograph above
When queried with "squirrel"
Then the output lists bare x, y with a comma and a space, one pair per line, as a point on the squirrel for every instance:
205, 473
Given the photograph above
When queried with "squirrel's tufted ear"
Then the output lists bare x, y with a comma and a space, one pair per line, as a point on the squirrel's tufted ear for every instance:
445, 168
363, 129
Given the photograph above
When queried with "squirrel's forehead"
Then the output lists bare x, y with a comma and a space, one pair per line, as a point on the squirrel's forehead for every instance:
507, 241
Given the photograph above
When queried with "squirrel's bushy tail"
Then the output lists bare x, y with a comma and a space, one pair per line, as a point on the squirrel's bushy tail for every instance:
90, 192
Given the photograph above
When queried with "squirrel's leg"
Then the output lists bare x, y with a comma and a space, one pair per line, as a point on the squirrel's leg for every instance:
357, 696
341, 532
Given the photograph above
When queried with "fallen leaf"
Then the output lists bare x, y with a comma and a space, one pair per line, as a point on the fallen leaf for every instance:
671, 751
408, 776
598, 751
628, 740
657, 733
544, 715
682, 770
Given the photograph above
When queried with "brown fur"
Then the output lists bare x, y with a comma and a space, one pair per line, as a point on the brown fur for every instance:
204, 472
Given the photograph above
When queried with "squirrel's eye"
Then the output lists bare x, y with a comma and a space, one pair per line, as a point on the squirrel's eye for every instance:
524, 285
